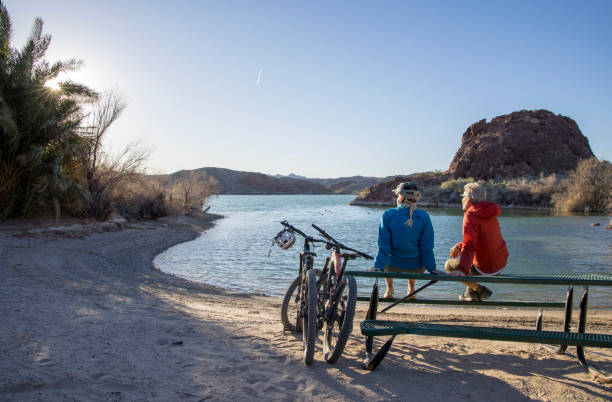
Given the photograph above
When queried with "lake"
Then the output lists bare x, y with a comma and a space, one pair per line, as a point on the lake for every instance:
237, 252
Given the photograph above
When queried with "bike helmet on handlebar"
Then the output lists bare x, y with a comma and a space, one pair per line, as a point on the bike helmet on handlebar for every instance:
284, 239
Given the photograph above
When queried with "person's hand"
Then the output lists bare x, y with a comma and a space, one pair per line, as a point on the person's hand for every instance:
457, 273
455, 250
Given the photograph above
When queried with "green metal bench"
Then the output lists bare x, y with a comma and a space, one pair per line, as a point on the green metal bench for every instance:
379, 328
487, 303
372, 327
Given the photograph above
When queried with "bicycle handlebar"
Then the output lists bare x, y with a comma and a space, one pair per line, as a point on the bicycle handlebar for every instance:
340, 245
304, 235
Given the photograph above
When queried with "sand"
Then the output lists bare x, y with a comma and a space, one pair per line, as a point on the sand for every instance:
88, 317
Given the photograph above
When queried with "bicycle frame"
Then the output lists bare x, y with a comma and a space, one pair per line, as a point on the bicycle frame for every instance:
340, 260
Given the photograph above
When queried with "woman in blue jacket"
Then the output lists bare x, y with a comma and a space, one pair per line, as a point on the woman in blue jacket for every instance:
405, 238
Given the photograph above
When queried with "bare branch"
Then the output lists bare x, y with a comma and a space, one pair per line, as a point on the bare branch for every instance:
104, 112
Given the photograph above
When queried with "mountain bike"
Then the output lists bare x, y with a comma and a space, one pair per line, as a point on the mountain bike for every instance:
301, 299
332, 311
338, 297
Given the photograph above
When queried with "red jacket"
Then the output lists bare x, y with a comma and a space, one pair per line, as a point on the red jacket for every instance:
483, 244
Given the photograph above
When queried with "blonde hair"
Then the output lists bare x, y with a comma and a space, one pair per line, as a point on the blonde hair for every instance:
411, 203
475, 192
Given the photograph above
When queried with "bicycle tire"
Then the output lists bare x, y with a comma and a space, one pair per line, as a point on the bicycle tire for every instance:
333, 345
309, 320
290, 307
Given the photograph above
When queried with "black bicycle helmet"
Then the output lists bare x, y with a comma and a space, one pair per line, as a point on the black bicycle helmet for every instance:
407, 189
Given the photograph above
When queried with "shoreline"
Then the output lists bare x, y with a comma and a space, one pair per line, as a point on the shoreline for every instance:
90, 318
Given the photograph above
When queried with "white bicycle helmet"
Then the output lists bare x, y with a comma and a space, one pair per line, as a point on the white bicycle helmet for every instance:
284, 239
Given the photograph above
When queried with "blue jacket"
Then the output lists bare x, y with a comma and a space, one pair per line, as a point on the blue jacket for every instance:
402, 246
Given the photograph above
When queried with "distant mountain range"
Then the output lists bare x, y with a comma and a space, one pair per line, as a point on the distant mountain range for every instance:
342, 185
237, 182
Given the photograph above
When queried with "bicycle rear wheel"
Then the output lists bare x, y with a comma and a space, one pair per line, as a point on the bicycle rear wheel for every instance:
340, 325
290, 307
309, 319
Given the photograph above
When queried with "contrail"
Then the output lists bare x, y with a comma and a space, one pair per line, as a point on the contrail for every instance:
259, 76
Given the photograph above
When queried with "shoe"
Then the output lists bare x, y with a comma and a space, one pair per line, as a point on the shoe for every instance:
413, 297
470, 295
388, 293
484, 293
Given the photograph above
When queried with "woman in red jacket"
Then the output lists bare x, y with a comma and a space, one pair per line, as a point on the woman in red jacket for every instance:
483, 249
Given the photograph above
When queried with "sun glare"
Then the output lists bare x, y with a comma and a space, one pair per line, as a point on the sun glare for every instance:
53, 84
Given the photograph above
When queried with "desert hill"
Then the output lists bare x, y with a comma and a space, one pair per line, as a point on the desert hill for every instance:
237, 182
343, 185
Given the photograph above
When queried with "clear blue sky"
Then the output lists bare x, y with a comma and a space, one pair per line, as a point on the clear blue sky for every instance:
329, 89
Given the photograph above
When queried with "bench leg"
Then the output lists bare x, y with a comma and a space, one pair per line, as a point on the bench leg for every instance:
372, 360
567, 320
371, 315
594, 371
569, 301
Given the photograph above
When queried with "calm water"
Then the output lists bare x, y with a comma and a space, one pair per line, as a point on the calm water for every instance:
234, 253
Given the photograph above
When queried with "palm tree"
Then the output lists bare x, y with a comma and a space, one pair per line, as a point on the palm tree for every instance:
40, 149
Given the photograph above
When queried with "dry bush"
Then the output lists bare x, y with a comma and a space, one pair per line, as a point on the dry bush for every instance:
139, 199
111, 171
190, 191
588, 188
526, 191
448, 192
523, 191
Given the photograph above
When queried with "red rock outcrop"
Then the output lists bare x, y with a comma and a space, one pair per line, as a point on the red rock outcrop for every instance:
382, 193
520, 143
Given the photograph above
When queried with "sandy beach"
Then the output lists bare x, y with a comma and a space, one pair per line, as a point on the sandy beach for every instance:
88, 318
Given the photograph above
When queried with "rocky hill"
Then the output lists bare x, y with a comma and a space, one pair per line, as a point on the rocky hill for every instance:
513, 145
237, 182
381, 193
518, 144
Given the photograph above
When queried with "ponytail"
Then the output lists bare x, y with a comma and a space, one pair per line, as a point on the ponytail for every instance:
412, 206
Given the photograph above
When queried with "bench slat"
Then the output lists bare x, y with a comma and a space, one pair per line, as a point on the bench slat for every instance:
549, 304
380, 328
570, 279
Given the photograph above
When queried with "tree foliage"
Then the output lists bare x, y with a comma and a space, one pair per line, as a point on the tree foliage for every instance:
40, 149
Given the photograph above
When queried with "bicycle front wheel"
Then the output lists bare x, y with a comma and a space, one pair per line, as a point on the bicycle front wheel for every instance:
290, 308
339, 326
309, 318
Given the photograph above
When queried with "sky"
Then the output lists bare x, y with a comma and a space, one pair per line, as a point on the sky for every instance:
329, 88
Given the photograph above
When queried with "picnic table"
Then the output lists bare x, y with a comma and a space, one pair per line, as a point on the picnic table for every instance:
372, 327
